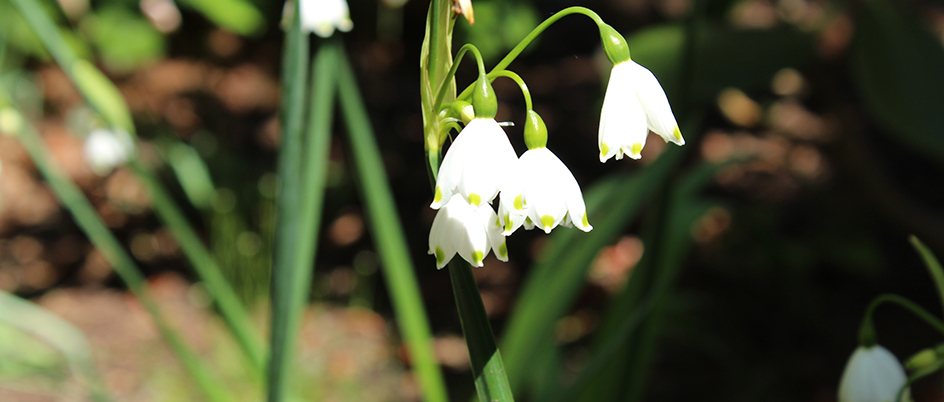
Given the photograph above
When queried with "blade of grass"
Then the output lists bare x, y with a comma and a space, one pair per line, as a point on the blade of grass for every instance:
932, 264
102, 96
388, 235
86, 217
58, 333
301, 190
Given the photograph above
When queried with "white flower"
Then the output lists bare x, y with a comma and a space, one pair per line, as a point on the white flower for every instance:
472, 232
106, 149
476, 164
543, 190
873, 374
634, 104
323, 16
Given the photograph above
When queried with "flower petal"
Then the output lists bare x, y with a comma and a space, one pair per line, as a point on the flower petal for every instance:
543, 174
872, 374
659, 116
493, 230
623, 126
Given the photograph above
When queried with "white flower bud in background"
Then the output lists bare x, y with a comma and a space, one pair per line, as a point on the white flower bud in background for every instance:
106, 149
324, 16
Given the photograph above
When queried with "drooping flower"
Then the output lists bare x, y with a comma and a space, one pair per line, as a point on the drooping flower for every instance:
324, 16
873, 374
634, 103
105, 149
544, 191
476, 165
541, 189
472, 232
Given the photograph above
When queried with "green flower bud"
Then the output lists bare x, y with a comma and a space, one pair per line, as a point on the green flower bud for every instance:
615, 46
483, 99
922, 359
535, 132
464, 110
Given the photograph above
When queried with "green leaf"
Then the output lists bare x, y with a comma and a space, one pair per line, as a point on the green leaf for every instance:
932, 264
102, 94
57, 333
238, 16
125, 40
897, 67
192, 173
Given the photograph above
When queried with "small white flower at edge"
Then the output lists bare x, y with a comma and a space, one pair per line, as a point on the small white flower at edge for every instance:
476, 165
323, 16
634, 103
106, 149
471, 232
544, 191
873, 374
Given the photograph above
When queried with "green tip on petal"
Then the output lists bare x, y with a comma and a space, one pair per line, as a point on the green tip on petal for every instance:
438, 197
585, 221
677, 134
637, 148
547, 221
604, 149
475, 199
503, 250
497, 221
477, 257
519, 202
440, 256
508, 223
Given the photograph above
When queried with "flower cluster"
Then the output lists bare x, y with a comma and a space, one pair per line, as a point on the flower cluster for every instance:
535, 189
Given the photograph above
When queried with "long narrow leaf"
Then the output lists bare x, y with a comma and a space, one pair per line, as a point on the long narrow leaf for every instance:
932, 264
388, 234
88, 220
104, 97
59, 334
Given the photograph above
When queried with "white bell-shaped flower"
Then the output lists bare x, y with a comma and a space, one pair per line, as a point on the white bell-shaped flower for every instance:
472, 232
106, 149
324, 16
476, 164
543, 190
634, 103
873, 374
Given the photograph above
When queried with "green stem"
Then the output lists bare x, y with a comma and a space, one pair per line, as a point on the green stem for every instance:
491, 382
447, 80
389, 237
524, 87
88, 220
516, 51
867, 330
291, 280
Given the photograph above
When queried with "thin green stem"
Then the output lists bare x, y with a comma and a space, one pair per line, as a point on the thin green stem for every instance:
516, 51
867, 327
88, 220
389, 237
447, 80
524, 87
291, 280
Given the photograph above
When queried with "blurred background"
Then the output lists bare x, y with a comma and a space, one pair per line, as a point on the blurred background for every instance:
815, 135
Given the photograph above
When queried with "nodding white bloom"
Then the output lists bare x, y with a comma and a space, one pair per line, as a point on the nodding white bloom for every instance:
105, 149
476, 164
634, 103
323, 16
472, 232
873, 374
544, 191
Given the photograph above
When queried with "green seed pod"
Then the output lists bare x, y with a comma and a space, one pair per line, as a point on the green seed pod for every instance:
483, 99
615, 46
535, 132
